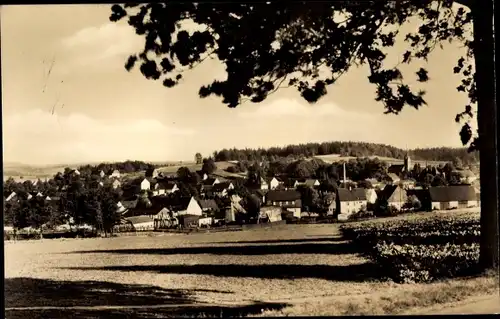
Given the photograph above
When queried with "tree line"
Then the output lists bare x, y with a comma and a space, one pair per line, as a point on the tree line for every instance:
355, 149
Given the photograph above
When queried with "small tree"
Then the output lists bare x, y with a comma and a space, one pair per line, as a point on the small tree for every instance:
209, 166
198, 158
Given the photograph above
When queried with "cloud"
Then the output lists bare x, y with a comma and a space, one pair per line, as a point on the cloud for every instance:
39, 137
103, 42
294, 108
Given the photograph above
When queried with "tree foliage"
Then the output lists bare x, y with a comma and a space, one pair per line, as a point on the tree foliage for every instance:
308, 46
359, 149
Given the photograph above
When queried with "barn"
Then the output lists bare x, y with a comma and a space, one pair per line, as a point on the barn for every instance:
450, 197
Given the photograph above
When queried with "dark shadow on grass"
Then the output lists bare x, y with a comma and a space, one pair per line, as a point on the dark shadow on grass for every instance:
284, 241
318, 248
351, 273
128, 301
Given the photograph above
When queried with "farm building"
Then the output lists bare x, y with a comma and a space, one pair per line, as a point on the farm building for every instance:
141, 222
189, 221
270, 214
395, 195
449, 197
289, 200
208, 205
307, 182
350, 200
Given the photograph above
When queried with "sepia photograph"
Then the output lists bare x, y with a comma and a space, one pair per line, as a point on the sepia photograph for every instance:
249, 159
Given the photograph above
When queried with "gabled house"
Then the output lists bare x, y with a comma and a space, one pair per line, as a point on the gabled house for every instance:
152, 173
275, 182
449, 197
330, 200
116, 184
221, 189
350, 201
261, 193
11, 197
202, 174
115, 174
393, 178
192, 208
371, 195
289, 200
310, 182
210, 181
395, 195
208, 205
145, 184
263, 184
171, 188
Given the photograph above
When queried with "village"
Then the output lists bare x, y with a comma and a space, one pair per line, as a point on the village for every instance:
159, 201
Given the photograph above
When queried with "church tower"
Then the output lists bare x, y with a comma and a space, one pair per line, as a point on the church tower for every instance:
407, 163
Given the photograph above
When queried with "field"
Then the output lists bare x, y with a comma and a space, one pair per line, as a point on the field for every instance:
290, 270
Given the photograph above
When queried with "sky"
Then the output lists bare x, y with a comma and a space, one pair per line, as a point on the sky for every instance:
90, 109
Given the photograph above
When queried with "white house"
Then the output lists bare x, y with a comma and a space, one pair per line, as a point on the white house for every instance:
145, 184
263, 184
115, 174
102, 174
274, 183
116, 184
193, 208
350, 201
371, 195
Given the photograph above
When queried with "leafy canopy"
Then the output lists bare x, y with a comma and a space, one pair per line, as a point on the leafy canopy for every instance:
304, 45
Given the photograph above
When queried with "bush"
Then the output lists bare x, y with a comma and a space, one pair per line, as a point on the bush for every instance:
362, 214
420, 250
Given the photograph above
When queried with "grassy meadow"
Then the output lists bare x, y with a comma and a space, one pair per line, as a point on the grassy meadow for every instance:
291, 270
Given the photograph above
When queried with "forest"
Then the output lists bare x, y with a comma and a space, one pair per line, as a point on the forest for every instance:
357, 149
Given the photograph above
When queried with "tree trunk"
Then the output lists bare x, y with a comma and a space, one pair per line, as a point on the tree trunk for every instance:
487, 126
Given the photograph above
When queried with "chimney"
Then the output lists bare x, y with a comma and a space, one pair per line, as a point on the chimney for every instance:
345, 178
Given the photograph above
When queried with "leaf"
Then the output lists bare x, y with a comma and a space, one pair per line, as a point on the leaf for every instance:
422, 75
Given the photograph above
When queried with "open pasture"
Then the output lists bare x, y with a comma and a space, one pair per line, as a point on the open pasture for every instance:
294, 270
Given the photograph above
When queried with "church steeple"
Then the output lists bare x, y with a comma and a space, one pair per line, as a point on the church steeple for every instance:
407, 161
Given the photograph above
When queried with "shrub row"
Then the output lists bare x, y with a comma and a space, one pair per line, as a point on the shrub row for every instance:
420, 250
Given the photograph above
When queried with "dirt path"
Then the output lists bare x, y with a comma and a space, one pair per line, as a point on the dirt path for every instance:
489, 304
